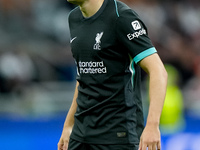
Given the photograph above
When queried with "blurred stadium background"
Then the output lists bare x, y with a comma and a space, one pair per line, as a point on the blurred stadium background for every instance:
37, 71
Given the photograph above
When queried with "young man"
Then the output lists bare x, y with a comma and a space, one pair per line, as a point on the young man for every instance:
110, 43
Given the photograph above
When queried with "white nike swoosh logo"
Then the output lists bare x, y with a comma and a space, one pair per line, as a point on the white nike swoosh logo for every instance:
72, 39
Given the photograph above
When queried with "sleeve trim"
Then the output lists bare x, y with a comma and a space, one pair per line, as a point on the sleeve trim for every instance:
144, 54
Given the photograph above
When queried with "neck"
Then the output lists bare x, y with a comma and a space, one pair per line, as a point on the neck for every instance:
90, 7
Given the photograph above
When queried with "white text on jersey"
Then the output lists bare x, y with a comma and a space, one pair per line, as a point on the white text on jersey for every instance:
136, 34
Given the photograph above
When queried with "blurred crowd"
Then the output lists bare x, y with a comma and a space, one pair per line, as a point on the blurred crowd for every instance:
34, 42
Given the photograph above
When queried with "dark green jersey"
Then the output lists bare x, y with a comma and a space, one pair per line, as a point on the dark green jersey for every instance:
107, 48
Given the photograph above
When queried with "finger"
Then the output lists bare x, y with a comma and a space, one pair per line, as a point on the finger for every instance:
140, 145
60, 146
65, 146
144, 147
154, 146
149, 147
159, 145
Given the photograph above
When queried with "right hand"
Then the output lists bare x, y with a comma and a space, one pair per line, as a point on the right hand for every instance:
64, 139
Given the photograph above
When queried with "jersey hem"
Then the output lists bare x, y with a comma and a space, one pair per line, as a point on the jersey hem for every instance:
120, 141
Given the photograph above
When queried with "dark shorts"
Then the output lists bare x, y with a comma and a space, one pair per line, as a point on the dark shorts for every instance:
76, 145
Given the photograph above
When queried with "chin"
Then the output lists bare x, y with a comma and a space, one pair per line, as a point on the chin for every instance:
76, 2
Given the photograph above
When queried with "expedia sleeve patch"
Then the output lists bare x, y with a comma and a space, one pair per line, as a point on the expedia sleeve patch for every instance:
132, 33
136, 25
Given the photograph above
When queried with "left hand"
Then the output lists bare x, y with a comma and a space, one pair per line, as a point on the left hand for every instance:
150, 138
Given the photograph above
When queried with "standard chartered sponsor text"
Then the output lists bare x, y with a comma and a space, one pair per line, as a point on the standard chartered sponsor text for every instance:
92, 67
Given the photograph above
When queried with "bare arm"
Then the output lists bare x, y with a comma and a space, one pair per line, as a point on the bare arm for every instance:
69, 123
157, 89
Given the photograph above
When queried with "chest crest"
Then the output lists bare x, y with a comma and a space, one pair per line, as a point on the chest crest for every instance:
97, 45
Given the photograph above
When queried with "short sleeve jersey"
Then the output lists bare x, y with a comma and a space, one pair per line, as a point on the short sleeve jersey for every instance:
107, 48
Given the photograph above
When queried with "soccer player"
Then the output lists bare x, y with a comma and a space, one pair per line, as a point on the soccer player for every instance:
110, 44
